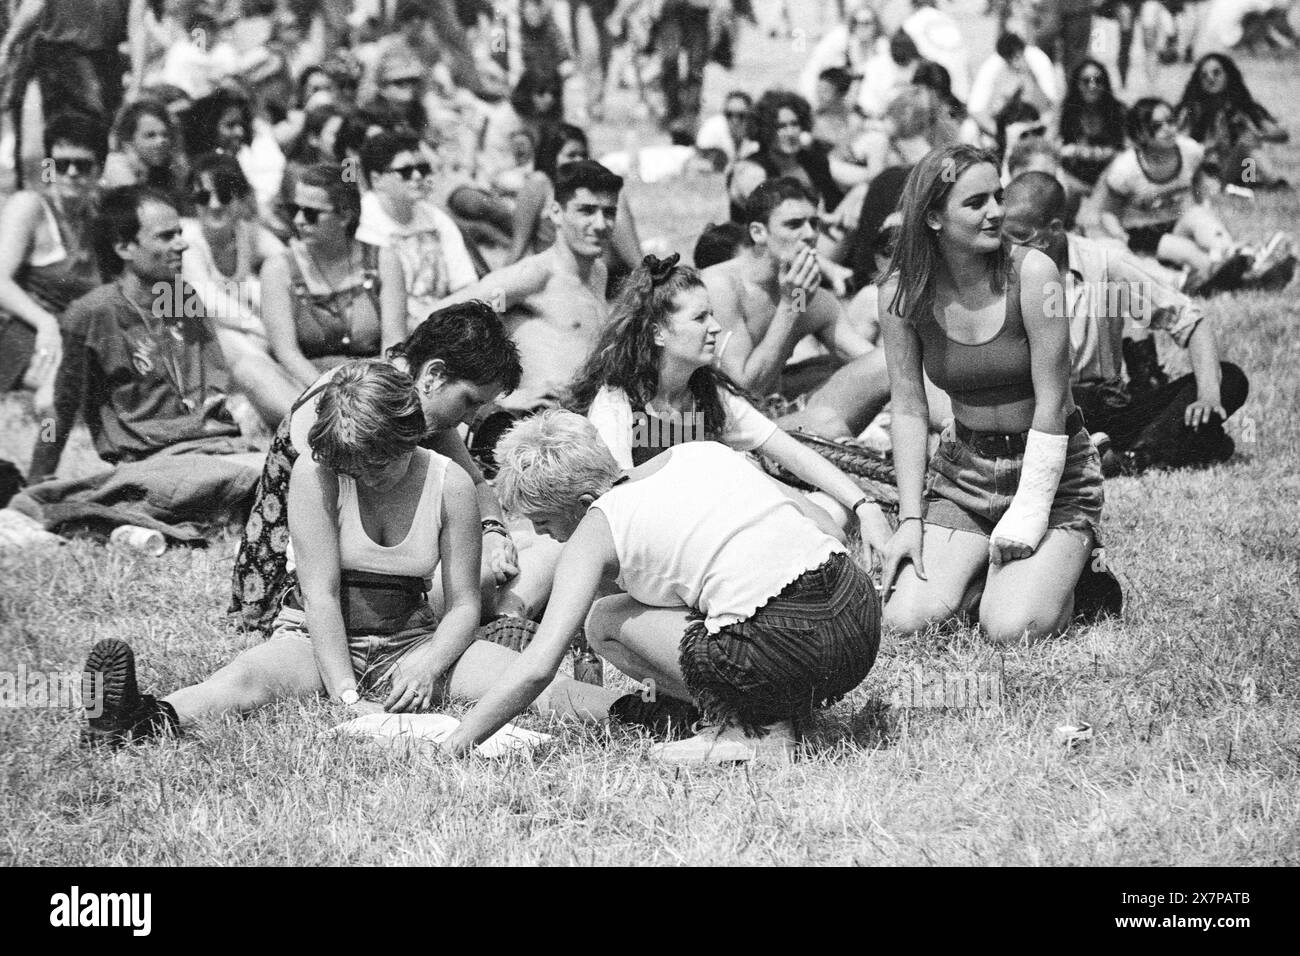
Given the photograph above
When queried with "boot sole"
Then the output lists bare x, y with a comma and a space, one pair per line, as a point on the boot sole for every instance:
114, 661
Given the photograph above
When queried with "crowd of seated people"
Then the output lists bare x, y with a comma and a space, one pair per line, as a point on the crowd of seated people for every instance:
282, 230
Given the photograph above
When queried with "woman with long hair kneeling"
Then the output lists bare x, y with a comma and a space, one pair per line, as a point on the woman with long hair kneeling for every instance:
738, 598
1014, 495
371, 516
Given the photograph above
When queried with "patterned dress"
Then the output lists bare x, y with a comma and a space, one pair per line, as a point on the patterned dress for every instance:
261, 575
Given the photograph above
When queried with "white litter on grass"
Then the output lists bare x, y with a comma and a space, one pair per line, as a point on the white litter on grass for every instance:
434, 729
1072, 735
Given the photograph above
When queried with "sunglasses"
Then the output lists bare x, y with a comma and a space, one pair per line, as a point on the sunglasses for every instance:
1092, 79
63, 165
1161, 123
403, 81
203, 197
737, 114
309, 213
406, 172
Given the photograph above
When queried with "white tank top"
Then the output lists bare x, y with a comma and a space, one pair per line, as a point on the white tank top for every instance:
712, 532
417, 555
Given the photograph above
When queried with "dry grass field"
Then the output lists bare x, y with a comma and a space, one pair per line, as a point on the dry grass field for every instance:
945, 755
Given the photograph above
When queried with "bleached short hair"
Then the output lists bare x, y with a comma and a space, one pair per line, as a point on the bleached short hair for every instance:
547, 462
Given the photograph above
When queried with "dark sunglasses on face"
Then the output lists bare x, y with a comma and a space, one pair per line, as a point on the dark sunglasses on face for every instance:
403, 81
309, 213
203, 197
1092, 79
406, 172
737, 114
63, 165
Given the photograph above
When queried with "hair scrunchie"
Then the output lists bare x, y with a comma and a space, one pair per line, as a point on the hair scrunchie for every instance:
657, 270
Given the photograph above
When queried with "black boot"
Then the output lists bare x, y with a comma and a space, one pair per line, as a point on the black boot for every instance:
117, 713
1097, 594
1143, 365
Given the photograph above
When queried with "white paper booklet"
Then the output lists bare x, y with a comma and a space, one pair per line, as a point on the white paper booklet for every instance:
435, 728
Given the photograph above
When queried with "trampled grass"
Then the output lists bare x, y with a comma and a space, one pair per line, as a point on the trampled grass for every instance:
1193, 698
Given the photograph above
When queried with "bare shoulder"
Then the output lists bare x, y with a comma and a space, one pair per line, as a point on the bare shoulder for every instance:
1037, 270
276, 265
457, 486
22, 206
723, 282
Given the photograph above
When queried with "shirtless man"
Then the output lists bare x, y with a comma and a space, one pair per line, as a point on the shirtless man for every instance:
767, 299
553, 303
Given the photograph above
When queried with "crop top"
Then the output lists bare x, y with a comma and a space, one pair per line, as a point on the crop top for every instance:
995, 372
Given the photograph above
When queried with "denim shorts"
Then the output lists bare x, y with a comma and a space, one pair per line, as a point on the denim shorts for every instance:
808, 646
373, 655
968, 491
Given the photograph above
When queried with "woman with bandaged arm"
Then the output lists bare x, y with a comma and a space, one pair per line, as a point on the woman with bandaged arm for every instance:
1011, 505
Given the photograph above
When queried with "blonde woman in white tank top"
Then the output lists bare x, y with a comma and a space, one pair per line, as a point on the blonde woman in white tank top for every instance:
371, 517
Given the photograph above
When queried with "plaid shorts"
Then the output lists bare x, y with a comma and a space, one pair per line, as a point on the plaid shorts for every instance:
807, 647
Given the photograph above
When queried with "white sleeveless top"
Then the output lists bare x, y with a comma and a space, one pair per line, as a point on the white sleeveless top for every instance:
712, 532
417, 555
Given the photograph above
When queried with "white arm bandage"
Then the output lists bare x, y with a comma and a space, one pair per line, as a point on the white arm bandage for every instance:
1025, 522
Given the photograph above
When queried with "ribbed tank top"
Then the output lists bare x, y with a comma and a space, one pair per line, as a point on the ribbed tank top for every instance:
994, 372
417, 555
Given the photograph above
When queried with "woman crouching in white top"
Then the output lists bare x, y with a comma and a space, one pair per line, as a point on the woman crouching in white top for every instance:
738, 597
650, 384
371, 517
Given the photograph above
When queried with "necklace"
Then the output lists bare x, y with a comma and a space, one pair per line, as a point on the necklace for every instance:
171, 364
336, 311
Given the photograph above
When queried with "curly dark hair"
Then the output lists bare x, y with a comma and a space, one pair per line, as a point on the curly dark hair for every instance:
200, 124
1109, 107
1198, 111
534, 82
625, 356
769, 107
553, 139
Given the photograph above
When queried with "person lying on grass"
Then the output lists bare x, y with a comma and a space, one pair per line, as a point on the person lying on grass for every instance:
371, 515
739, 599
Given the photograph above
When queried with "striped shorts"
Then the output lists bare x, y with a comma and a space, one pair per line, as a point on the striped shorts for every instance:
807, 647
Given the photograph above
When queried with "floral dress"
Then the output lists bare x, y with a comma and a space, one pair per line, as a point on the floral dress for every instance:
261, 575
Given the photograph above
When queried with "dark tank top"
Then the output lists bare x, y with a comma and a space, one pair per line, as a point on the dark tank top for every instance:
994, 372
